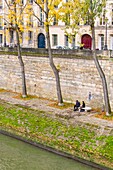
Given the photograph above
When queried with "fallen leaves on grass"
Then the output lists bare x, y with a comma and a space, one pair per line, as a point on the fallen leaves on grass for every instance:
55, 105
19, 96
4, 90
102, 115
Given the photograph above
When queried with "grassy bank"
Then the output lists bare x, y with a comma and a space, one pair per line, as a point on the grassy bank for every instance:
79, 140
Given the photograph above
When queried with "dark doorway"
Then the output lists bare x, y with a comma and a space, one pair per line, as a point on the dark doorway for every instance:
41, 40
87, 41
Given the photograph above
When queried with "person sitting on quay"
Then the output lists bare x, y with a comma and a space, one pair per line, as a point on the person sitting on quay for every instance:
77, 105
82, 107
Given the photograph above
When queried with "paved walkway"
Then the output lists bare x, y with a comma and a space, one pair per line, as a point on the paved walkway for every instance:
42, 104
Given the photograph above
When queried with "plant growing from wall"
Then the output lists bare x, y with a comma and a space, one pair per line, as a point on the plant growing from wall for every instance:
50, 13
14, 20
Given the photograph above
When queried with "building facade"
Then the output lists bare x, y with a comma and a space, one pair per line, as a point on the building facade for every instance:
35, 37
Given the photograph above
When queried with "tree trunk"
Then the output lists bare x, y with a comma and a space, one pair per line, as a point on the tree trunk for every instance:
55, 70
102, 75
24, 90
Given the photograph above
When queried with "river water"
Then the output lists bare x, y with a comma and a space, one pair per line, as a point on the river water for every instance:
17, 155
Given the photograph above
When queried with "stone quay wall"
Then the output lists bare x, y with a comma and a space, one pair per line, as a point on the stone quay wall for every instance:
78, 77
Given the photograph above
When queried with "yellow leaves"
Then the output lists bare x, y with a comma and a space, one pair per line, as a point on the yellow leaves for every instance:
7, 35
58, 67
18, 1
19, 13
41, 3
27, 27
19, 18
71, 10
21, 28
29, 9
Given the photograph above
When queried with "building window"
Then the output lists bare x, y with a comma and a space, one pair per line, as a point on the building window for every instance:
30, 36
87, 21
111, 42
102, 21
30, 21
67, 22
1, 39
21, 37
66, 40
73, 42
22, 1
41, 22
11, 36
30, 1
1, 4
1, 20
55, 39
112, 17
101, 42
103, 18
67, 16
55, 21
41, 17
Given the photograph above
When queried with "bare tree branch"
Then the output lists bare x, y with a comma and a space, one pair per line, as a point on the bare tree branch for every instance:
37, 18
7, 4
40, 6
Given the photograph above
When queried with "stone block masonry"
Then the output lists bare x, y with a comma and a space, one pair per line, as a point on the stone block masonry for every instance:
79, 78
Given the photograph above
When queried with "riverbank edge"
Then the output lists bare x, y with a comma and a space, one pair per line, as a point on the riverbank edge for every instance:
53, 150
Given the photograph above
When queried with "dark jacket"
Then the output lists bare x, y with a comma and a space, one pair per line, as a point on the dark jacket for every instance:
77, 104
83, 104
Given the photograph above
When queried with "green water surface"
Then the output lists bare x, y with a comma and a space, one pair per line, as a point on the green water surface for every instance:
17, 155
